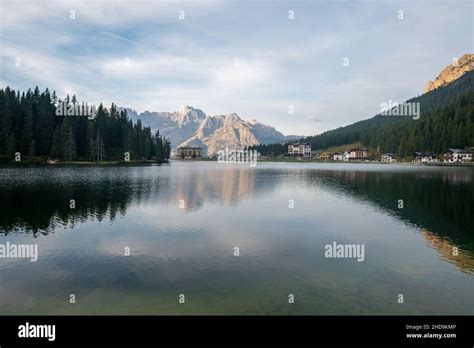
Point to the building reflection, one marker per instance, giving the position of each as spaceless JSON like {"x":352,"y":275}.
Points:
{"x":225,"y":187}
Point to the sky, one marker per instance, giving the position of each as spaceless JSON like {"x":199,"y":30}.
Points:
{"x":303,"y":67}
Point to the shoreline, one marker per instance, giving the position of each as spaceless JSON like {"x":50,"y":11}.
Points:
{"x":151,"y":163}
{"x":289,"y":160}
{"x":434,"y":164}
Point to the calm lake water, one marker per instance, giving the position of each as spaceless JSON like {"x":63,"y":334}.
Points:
{"x":182,"y":222}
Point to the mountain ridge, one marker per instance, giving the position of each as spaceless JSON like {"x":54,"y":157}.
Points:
{"x":447,"y":120}
{"x":192,"y":127}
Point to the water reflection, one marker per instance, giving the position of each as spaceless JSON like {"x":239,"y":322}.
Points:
{"x":37,"y":200}
{"x":226,"y":186}
{"x":42,"y":201}
{"x":440,"y":202}
{"x":41,"y":207}
{"x":450,"y":252}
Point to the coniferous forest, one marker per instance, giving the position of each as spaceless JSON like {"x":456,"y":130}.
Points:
{"x":446,"y":121}
{"x":29,"y":126}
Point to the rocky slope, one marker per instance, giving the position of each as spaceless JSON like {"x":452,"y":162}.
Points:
{"x":192,"y":127}
{"x":452,"y":72}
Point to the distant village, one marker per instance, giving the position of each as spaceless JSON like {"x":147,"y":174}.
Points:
{"x":361,"y":154}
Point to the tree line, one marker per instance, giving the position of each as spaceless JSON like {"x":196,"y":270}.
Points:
{"x":30,"y":126}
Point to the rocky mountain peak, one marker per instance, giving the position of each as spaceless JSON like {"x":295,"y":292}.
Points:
{"x":189,"y":114}
{"x":231,"y":118}
{"x":192,"y":127}
{"x":452,"y":72}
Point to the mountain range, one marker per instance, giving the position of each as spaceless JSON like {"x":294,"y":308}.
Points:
{"x":192,"y":127}
{"x":447,"y":120}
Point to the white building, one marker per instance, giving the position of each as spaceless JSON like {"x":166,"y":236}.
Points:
{"x":388,"y":157}
{"x":425,"y":157}
{"x":346,"y":155}
{"x":457,"y":156}
{"x":299,"y":149}
{"x":338,"y":156}
{"x":359,"y":153}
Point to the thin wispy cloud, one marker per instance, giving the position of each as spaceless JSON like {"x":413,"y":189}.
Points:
{"x":158,"y":55}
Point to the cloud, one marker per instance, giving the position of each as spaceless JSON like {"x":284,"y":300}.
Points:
{"x":315,"y":119}
{"x":140,"y":54}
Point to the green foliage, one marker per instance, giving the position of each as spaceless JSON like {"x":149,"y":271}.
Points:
{"x":29,"y":125}
{"x":447,"y":117}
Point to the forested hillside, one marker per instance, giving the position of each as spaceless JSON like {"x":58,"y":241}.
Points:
{"x":447,"y":117}
{"x":29,"y":125}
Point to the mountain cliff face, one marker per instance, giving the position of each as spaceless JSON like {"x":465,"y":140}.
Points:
{"x":192,"y":127}
{"x":452,"y":72}
{"x":221,"y":131}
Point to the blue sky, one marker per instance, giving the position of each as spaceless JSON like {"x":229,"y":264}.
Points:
{"x":141,"y":54}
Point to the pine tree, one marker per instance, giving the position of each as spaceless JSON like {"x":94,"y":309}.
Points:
{"x":166,"y":149}
{"x":69,"y":151}
{"x":32,"y":149}
{"x":28,"y":125}
{"x":5,"y":119}
{"x":159,"y":148}
{"x":11,"y":148}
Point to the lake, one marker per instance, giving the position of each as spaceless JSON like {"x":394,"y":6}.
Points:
{"x":235,"y":239}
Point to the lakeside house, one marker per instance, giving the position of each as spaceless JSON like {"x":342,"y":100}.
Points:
{"x":299,"y":150}
{"x":188,"y":152}
{"x":388,"y":157}
{"x":424,"y":157}
{"x":338,"y":156}
{"x":325,"y":156}
{"x":360,"y":153}
{"x":457,"y":156}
